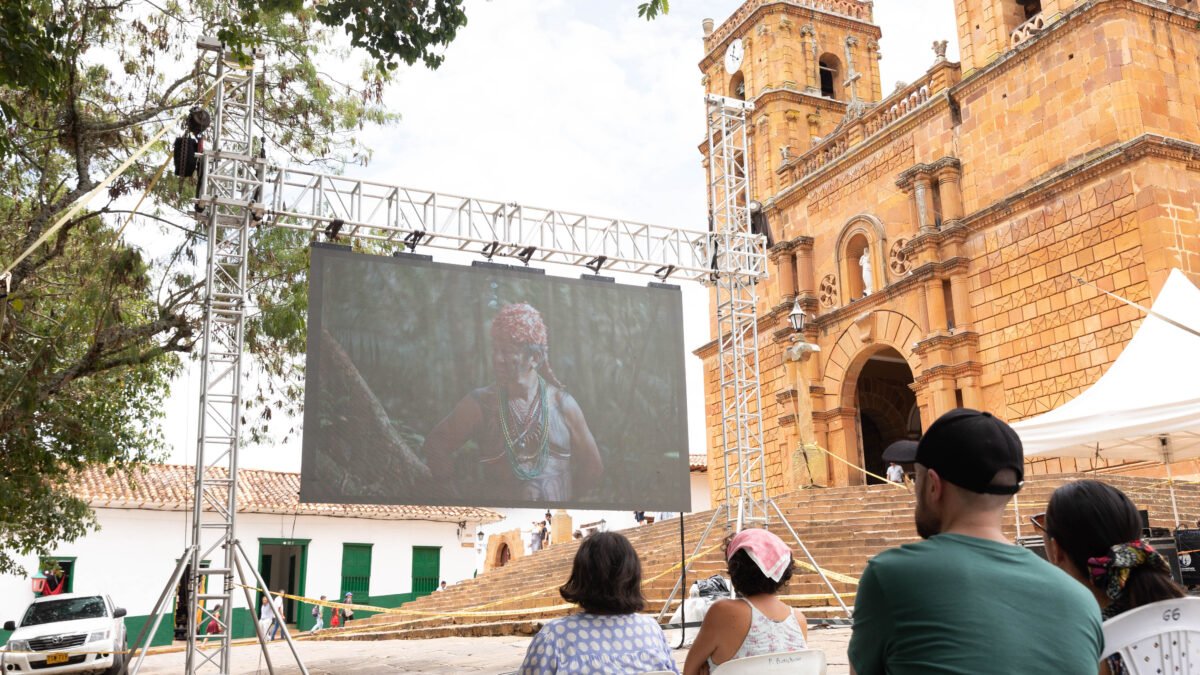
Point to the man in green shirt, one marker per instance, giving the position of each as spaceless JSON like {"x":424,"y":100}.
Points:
{"x":965,"y":600}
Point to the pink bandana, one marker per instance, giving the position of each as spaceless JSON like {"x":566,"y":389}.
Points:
{"x":766,"y":550}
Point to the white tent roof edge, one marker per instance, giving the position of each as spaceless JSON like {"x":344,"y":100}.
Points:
{"x":1147,"y":402}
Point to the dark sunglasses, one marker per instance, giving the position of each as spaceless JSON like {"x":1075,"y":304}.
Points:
{"x":1039,"y":521}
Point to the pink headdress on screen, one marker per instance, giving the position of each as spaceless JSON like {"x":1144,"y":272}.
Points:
{"x":521,"y":324}
{"x":768,"y":551}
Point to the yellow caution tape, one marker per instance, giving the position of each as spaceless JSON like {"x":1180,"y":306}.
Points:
{"x":814,"y":446}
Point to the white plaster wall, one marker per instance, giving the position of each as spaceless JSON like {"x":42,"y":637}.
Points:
{"x":133,"y":554}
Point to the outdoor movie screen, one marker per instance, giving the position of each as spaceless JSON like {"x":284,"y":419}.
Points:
{"x":438,"y":384}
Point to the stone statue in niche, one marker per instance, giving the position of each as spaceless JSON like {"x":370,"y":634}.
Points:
{"x":865,"y":263}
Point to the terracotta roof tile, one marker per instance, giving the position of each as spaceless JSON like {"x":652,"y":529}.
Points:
{"x":698,"y":462}
{"x":168,"y":487}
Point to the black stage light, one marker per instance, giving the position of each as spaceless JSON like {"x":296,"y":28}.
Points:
{"x":184,"y":156}
{"x":414,"y":239}
{"x":596,"y":263}
{"x":526,"y":253}
{"x":333,"y":229}
{"x":491,"y":249}
{"x":198,"y":120}
{"x":663,"y":272}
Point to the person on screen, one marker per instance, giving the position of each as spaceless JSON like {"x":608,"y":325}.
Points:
{"x":528,"y":429}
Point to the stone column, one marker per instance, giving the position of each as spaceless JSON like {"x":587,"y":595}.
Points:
{"x":942,"y":398}
{"x":936,"y":303}
{"x":950,"y":190}
{"x":806,"y":283}
{"x":843,"y":438}
{"x":813,"y":72}
{"x":971,"y":391}
{"x":923,"y":187}
{"x":785,"y":266}
{"x":962,"y":306}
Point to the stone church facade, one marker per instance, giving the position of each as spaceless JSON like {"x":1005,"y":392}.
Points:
{"x":1065,"y":145}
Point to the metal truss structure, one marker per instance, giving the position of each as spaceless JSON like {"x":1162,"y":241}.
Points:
{"x":240,"y":190}
{"x":737,"y":312}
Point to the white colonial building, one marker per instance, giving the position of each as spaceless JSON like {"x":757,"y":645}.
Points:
{"x":385,"y":554}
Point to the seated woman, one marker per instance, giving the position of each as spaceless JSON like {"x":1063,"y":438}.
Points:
{"x":757,"y":622}
{"x":608,"y":636}
{"x":1093,"y":532}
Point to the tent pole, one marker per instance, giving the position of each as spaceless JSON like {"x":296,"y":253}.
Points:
{"x":1170,"y":479}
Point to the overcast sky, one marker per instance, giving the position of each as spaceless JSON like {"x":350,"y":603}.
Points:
{"x":577,"y":105}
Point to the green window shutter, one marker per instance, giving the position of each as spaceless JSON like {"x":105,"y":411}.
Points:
{"x":356,"y":571}
{"x":426,"y":569}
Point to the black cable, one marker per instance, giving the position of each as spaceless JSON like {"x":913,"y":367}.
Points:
{"x":683,"y":588}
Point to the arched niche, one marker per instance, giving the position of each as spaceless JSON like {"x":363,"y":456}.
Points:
{"x":862,"y":232}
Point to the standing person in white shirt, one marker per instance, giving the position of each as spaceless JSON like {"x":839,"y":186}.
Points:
{"x":278,"y":618}
{"x":895,"y":473}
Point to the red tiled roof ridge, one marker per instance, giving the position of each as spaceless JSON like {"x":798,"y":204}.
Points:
{"x":168,"y":487}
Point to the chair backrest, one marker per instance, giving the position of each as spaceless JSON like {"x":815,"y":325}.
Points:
{"x":1161,"y":637}
{"x":800,"y":662}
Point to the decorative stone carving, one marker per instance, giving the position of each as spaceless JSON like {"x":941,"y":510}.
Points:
{"x":785,"y":153}
{"x":828,"y":292}
{"x":1027,"y":30}
{"x":898,"y":263}
{"x":939,"y":49}
{"x":785,"y":24}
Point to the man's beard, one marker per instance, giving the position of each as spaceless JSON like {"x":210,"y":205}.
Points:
{"x":927,"y":524}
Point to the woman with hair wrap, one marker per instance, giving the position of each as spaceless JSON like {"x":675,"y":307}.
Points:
{"x":1093,"y":532}
{"x":527,"y":427}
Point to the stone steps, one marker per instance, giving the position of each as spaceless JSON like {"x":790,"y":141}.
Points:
{"x":842,"y":528}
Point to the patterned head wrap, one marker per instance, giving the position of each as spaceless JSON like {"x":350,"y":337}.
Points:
{"x":519,"y":323}
{"x":1111,"y":572}
{"x":768,"y":551}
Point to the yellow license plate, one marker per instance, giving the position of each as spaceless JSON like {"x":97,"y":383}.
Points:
{"x":52,"y":659}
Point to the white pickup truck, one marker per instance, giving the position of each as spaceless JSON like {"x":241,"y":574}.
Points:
{"x":67,"y":633}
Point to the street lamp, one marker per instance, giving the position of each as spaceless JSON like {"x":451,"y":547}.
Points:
{"x":797,"y":317}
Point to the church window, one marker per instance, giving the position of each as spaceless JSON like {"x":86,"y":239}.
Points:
{"x":830,"y":69}
{"x":1031,"y":8}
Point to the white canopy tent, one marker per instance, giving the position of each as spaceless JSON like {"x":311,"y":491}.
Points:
{"x":1147,"y":405}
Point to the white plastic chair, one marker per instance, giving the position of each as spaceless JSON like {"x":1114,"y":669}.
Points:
{"x":1161,"y":637}
{"x":799,"y":662}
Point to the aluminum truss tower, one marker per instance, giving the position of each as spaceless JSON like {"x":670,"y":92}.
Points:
{"x":738,"y":264}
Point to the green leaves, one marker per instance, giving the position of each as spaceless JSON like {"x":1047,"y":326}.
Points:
{"x":650,"y":10}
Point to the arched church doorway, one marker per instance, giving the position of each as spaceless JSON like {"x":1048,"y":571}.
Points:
{"x":887,"y":408}
{"x":503,"y":555}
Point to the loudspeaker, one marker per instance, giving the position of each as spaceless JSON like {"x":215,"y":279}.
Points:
{"x":1188,"y":542}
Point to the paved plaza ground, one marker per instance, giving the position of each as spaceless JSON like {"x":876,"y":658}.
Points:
{"x":443,"y":655}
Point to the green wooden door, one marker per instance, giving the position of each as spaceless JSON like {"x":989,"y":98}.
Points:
{"x":426,"y":569}
{"x":356,"y":571}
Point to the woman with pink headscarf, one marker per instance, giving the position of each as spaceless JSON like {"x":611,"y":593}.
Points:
{"x":528,"y":429}
{"x":756,"y":622}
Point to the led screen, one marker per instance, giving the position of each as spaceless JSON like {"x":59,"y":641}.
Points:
{"x":437,"y":384}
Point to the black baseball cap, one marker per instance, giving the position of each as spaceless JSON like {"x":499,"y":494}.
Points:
{"x":968,"y":447}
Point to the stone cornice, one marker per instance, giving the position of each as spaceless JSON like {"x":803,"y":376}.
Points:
{"x":951,"y":231}
{"x":942,"y":372}
{"x":964,"y":338}
{"x":905,"y":179}
{"x":733,"y":27}
{"x":834,"y":413}
{"x":1146,"y":145}
{"x":1069,"y":21}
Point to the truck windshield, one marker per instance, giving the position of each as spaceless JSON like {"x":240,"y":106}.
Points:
{"x":68,"y":609}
